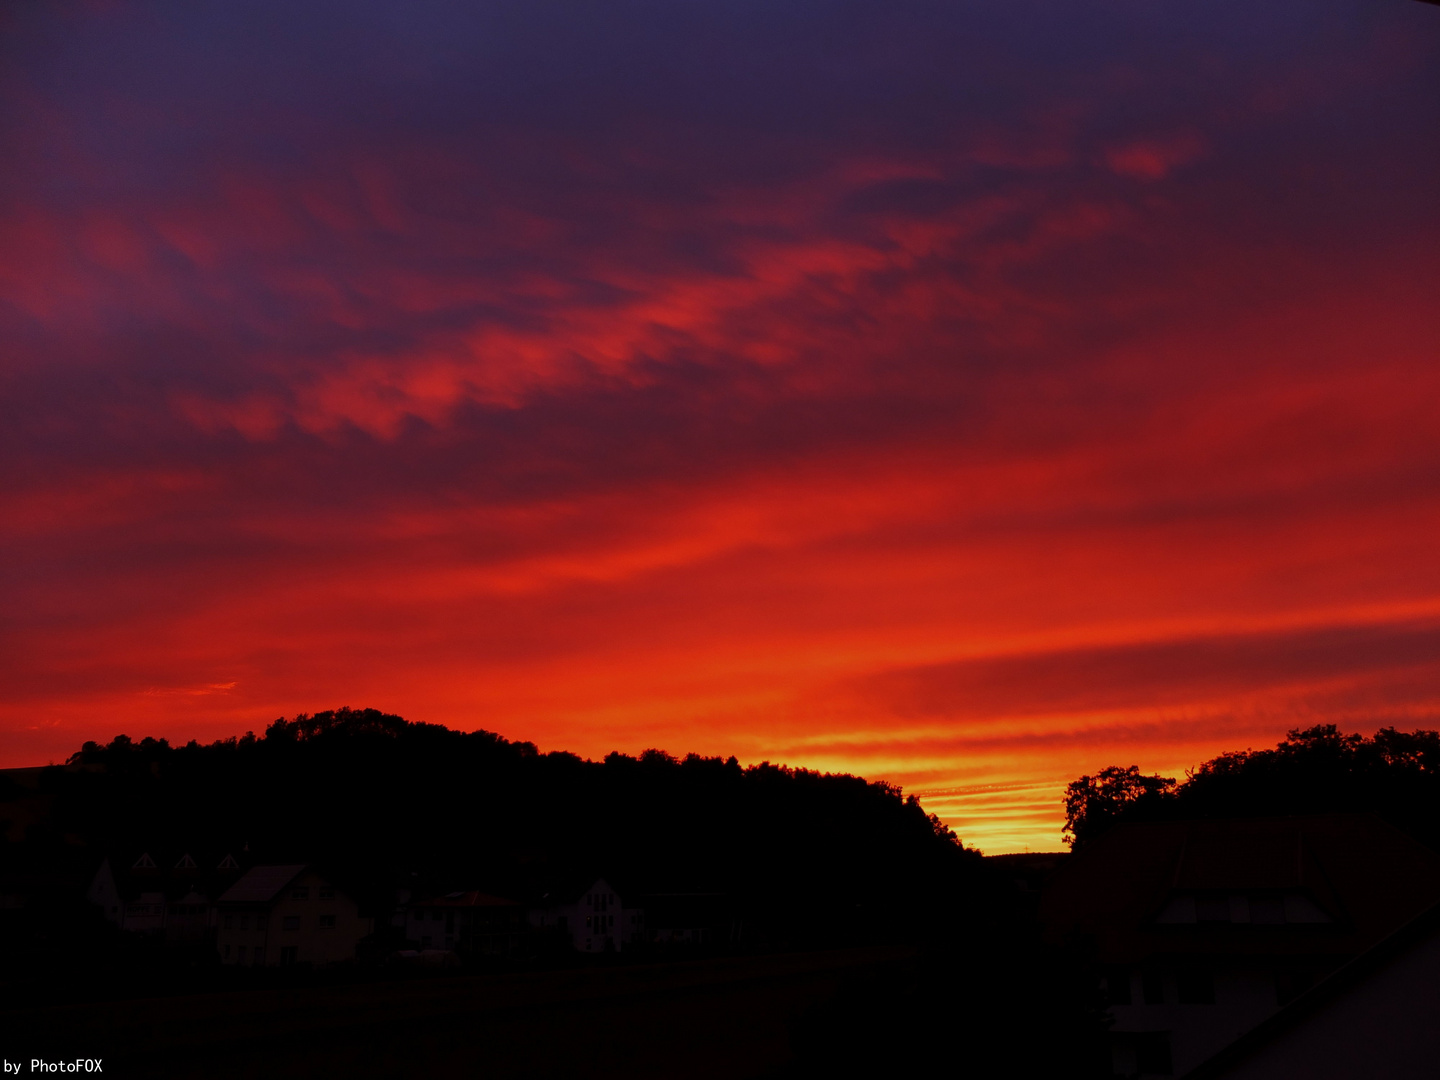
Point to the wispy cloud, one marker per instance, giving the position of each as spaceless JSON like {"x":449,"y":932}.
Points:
{"x":966,"y":395}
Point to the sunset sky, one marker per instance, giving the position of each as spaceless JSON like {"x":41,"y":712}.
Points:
{"x":968,"y":394}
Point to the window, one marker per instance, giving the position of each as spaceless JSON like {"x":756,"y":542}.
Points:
{"x":259,"y":956}
{"x":327,"y":922}
{"x":229,"y":921}
{"x":260,"y":922}
{"x":1195,"y":986}
{"x":326,"y":892}
{"x":225,"y":951}
{"x":300,"y":892}
{"x":242,"y":952}
{"x":244,"y":922}
{"x":290,"y":922}
{"x":288,"y":955}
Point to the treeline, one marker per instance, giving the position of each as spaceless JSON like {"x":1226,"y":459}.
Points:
{"x":390,"y":804}
{"x":1315,"y":770}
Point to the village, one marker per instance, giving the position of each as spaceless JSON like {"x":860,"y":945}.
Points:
{"x":279,"y":915}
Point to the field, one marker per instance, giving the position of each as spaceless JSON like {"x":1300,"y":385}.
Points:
{"x":729,"y":1017}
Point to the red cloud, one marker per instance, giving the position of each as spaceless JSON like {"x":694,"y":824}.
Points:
{"x":1155,"y":159}
{"x":864,"y":424}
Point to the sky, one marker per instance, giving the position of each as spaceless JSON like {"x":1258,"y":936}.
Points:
{"x":969,"y":395}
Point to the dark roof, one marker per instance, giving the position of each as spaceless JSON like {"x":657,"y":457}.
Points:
{"x":261,"y":884}
{"x":569,"y":888}
{"x":1366,"y":875}
{"x":173,"y":872}
{"x":1364,"y":967}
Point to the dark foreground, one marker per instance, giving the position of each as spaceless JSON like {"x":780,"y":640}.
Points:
{"x":727,"y":1017}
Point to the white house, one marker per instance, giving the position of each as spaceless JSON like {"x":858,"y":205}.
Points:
{"x":287,"y":914}
{"x":593,"y":920}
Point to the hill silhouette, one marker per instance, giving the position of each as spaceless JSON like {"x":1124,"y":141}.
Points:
{"x":390,"y":804}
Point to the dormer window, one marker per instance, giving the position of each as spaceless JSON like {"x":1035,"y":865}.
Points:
{"x":144,"y":862}
{"x":228,"y":863}
{"x":186,"y":863}
{"x":300,"y":892}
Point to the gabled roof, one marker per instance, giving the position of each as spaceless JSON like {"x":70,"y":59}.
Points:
{"x":261,"y":884}
{"x":1367,"y":876}
{"x":171,"y":872}
{"x":571,"y":887}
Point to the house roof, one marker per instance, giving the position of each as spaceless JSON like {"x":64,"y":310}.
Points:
{"x":571,"y":887}
{"x":1365,"y":875}
{"x":261,"y":884}
{"x":172,"y":872}
{"x":1311,"y":1006}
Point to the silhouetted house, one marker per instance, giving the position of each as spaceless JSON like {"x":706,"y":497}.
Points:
{"x":287,"y":915}
{"x":1206,"y":928}
{"x":1374,"y":1017}
{"x":470,"y":923}
{"x":163,"y":894}
{"x":591,"y":919}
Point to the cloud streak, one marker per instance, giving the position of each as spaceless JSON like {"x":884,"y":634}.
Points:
{"x":969,"y":398}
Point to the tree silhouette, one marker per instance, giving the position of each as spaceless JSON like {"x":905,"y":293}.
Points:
{"x":1313,"y":770}
{"x":1094,"y":803}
